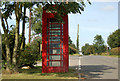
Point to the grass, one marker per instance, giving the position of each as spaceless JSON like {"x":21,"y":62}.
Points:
{"x":105,"y":54}
{"x":36,"y":73}
{"x":75,"y":55}
{"x":112,"y":55}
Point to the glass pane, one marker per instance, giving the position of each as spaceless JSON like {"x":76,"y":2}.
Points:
{"x":54,"y":39}
{"x":54,"y":45}
{"x":54,"y":51}
{"x":54,"y":63}
{"x":54,"y":57}
{"x":55,"y":26}
{"x":62,"y":63}
{"x":62,"y":57}
{"x":47,"y":63}
{"x":55,"y":33}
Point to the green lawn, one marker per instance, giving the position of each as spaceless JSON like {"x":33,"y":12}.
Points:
{"x":37,"y":74}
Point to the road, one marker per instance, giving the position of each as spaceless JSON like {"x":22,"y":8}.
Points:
{"x":96,"y":67}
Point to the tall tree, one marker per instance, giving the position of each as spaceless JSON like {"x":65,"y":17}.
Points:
{"x":18,"y":14}
{"x":99,"y":44}
{"x":8,"y":8}
{"x":30,"y":25}
{"x":36,"y":18}
{"x":85,"y":49}
{"x":72,"y":47}
{"x":6,"y":13}
{"x":23,"y":27}
{"x":77,"y":39}
{"x":113,"y":39}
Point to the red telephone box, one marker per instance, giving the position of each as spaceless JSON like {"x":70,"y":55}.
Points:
{"x":54,"y":43}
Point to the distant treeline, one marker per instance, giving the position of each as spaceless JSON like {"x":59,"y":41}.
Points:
{"x":98,"y":46}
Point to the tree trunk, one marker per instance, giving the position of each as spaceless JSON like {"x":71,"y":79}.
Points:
{"x":7,"y":53}
{"x":30,"y":26}
{"x":23,"y":31}
{"x":22,"y":46}
{"x":18,"y":12}
{"x":15,"y":51}
{"x":7,"y":43}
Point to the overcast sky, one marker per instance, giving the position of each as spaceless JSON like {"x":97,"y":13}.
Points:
{"x":99,"y":18}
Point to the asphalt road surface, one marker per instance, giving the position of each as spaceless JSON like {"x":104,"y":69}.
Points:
{"x":95,"y":67}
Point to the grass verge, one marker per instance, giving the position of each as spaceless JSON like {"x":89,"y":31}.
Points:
{"x":36,"y":73}
{"x":76,"y":55}
{"x":112,"y":55}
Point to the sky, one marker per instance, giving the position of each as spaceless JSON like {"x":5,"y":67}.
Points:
{"x":98,"y":18}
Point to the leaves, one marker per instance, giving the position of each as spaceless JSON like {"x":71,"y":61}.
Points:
{"x":37,"y":20}
{"x":99,"y":44}
{"x":113,"y":39}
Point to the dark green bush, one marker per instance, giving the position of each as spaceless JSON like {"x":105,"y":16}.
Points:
{"x":29,"y":56}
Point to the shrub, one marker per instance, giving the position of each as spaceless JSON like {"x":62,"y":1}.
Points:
{"x":29,"y":56}
{"x":115,"y":51}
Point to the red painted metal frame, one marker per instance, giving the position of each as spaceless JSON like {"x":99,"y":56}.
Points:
{"x":48,"y":69}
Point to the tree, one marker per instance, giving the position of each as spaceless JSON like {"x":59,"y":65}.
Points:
{"x":4,"y":16}
{"x":77,"y":39}
{"x":85,"y":49}
{"x":8,"y":8}
{"x":99,"y":44}
{"x":0,"y":47}
{"x":37,"y":20}
{"x":88,"y":49}
{"x":70,"y":41}
{"x":72,"y":47}
{"x":113,"y":39}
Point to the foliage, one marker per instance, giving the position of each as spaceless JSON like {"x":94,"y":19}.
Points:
{"x":36,"y":20}
{"x":113,"y":39}
{"x":62,"y":8}
{"x":18,"y":9}
{"x":97,"y":47}
{"x":11,"y":37}
{"x":72,"y":47}
{"x":115,"y":51}
{"x":88,"y":49}
{"x":29,"y":56}
{"x":98,"y":40}
{"x":99,"y":44}
{"x":69,"y":41}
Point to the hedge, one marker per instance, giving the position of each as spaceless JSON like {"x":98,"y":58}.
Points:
{"x":115,"y":51}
